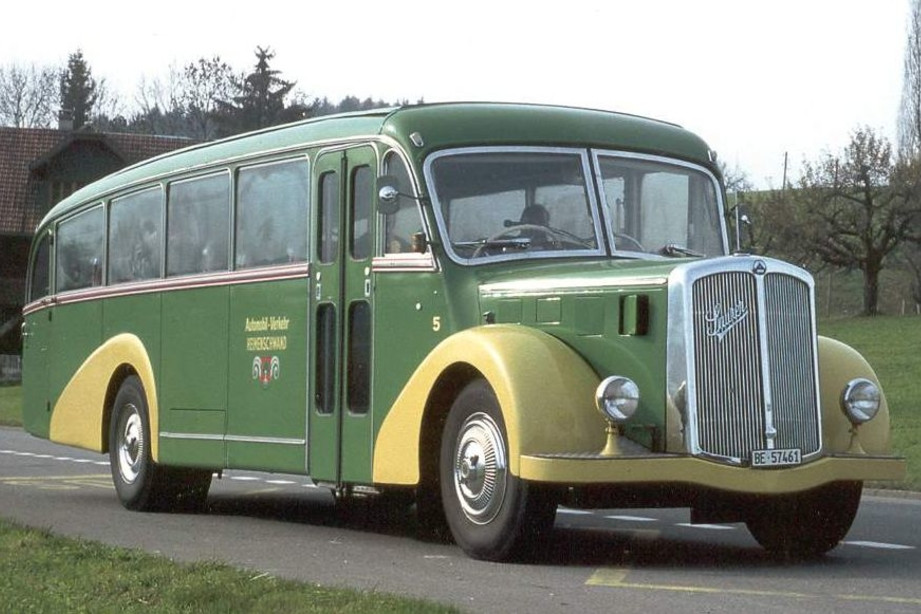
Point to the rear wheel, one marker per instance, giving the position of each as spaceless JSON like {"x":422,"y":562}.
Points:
{"x":492,"y":514}
{"x":141,"y":484}
{"x":808,"y":524}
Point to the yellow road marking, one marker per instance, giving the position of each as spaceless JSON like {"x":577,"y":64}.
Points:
{"x":608,"y":576}
{"x":614,"y":577}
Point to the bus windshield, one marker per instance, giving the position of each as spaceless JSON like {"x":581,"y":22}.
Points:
{"x":660,"y":206}
{"x":530,"y":203}
{"x":517,"y":202}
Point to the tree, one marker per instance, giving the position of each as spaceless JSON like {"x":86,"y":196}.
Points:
{"x":910,"y":112}
{"x":27,"y":96}
{"x":201,"y":86}
{"x":857,"y":208}
{"x":260,"y":101}
{"x":78,"y":90}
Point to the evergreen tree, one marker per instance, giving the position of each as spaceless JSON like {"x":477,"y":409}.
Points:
{"x":78,"y":90}
{"x":260,"y":101}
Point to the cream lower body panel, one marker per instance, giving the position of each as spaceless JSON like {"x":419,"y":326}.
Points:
{"x":576,"y":470}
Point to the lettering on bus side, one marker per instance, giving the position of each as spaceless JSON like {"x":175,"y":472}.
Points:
{"x":266,"y":367}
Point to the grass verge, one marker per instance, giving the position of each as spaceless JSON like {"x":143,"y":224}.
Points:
{"x":40,"y":572}
{"x":890,"y":345}
{"x":10,"y":405}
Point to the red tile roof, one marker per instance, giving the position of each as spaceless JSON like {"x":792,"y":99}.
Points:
{"x":22,"y":147}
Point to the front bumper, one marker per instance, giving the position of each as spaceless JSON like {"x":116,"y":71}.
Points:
{"x":595,"y":469}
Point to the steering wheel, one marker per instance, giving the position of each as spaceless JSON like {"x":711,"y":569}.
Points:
{"x":551,"y":236}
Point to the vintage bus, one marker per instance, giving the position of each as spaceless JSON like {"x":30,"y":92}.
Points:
{"x":495,"y":308}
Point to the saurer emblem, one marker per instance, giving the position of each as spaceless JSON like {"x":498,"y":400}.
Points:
{"x":721,"y":320}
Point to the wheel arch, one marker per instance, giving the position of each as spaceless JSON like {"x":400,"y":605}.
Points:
{"x":545,"y":391}
{"x":838,"y":364}
{"x":81,"y":415}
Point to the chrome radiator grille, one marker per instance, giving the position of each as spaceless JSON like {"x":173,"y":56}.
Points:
{"x":754,"y":378}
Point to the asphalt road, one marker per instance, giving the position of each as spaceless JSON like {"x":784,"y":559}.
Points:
{"x":608,"y":560}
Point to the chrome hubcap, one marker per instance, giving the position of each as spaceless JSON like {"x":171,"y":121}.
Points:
{"x":480,"y":468}
{"x":131,"y":445}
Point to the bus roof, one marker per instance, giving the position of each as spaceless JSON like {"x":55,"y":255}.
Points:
{"x":433,"y":126}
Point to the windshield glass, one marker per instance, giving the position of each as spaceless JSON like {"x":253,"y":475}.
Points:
{"x":515,"y":203}
{"x":659,"y":207}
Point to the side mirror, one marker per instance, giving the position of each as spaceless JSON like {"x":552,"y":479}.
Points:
{"x":743,"y":217}
{"x":388,"y":196}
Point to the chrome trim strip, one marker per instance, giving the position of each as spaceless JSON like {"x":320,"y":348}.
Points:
{"x":770,"y":432}
{"x":187,"y":282}
{"x":566,"y":286}
{"x":289,"y":441}
{"x":192,"y":436}
{"x":392,"y":263}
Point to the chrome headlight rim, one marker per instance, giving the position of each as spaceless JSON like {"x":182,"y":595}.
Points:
{"x":861,"y":400}
{"x":617,"y":398}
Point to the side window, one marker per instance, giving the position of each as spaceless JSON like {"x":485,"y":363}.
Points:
{"x":40,"y":283}
{"x":328,"y":231}
{"x":359,"y":358}
{"x":198,"y":225}
{"x":135,"y":236}
{"x":80,"y":242}
{"x":272,"y":214}
{"x":402,"y":225}
{"x":361,"y":207}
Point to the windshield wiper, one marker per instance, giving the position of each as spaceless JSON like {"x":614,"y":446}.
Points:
{"x":673,"y":250}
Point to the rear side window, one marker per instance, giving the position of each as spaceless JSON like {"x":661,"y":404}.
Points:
{"x":272,"y":214}
{"x":198,"y":223}
{"x":80,"y":242}
{"x":135,"y":236}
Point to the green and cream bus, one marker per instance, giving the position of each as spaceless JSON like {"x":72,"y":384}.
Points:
{"x":495,"y":308}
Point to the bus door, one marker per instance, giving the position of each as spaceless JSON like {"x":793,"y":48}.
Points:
{"x":36,"y":343}
{"x":340,"y":418}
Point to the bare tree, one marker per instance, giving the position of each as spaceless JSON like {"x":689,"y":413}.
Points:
{"x":27,"y":96}
{"x":856,"y":208}
{"x":159,"y":108}
{"x":201,"y":86}
{"x":910,"y":113}
{"x":185,"y":101}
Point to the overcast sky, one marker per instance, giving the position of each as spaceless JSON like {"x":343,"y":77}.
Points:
{"x":755,"y":78}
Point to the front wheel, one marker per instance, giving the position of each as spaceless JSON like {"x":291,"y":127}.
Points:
{"x":808,"y":524}
{"x":141,"y":484}
{"x":493,"y":515}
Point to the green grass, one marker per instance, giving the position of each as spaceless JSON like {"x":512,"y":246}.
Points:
{"x":11,"y":405}
{"x":40,"y":572}
{"x":890,"y":344}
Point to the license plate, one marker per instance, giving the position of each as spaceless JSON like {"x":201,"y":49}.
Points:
{"x":777,"y":458}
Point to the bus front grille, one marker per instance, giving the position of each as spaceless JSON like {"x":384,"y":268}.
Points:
{"x":753,"y":357}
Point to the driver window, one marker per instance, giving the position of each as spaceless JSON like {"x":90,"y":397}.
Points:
{"x":399,"y":227}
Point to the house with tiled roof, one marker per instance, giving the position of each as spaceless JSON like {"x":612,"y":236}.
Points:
{"x":38,"y":168}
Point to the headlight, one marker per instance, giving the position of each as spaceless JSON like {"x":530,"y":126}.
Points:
{"x":860,"y":400}
{"x":617,"y":398}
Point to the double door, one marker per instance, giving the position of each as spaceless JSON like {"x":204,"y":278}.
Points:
{"x":340,"y":417}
